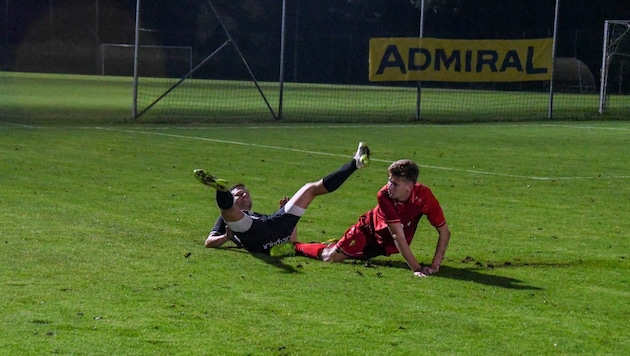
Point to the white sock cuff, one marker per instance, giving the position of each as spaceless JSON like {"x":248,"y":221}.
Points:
{"x":293,"y":209}
{"x":242,"y":225}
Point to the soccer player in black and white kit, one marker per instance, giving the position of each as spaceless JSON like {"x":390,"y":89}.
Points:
{"x":260,"y":232}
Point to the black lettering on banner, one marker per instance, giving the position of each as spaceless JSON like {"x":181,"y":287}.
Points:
{"x":487,"y":57}
{"x":396,"y":60}
{"x":441,"y":57}
{"x":414,"y":61}
{"x":469,"y":61}
{"x":511,"y":60}
{"x":530,"y":63}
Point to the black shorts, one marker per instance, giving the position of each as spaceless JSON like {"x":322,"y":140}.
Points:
{"x":268,"y":231}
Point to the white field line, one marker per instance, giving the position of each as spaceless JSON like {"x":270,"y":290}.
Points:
{"x":469,"y":171}
{"x":301,"y":127}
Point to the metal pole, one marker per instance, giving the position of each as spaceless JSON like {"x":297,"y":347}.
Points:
{"x":553,"y":59}
{"x":134,"y":108}
{"x":281,"y":78}
{"x":421,"y":35}
{"x":603,"y":80}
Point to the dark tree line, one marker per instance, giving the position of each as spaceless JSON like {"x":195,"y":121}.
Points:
{"x":30,"y":20}
{"x":333,"y":25}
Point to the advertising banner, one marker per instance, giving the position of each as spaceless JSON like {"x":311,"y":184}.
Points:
{"x":432,"y":59}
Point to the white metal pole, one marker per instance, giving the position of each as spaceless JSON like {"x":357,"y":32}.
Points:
{"x":553,"y":59}
{"x":603,"y":80}
{"x":421,"y":35}
{"x":281,"y":78}
{"x":134,"y":108}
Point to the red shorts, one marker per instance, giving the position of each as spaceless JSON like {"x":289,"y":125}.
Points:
{"x":357,"y":244}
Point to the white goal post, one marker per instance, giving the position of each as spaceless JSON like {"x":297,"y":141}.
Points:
{"x":117,"y":59}
{"x":616,"y":49}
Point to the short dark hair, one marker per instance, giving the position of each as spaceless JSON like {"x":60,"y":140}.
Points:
{"x":406,"y":169}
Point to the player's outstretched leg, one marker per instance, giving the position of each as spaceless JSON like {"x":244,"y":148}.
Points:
{"x":303,"y":197}
{"x":210,"y":180}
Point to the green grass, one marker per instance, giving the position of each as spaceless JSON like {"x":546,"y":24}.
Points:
{"x":101,"y":248}
{"x":29,"y":98}
{"x":49,"y":98}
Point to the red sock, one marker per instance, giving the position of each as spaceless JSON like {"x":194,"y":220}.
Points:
{"x":309,"y":250}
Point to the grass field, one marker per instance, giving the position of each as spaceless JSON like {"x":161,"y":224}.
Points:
{"x":30,"y":98}
{"x":102,"y":231}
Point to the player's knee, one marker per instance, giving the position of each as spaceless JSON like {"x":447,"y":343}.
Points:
{"x":318,"y":188}
{"x":315,"y":188}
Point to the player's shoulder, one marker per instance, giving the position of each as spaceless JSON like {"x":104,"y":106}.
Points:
{"x":382,"y":192}
{"x":422,"y":192}
{"x":419,"y":187}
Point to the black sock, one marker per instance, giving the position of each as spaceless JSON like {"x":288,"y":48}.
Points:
{"x":336,"y":178}
{"x":225,"y":200}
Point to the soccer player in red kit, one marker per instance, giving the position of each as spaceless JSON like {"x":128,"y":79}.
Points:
{"x":389,"y":227}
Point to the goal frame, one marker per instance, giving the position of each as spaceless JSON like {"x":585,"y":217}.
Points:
{"x":229,"y":40}
{"x":606,"y":59}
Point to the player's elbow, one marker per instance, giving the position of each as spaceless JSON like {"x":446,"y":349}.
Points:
{"x":213,"y":242}
{"x":444,"y":232}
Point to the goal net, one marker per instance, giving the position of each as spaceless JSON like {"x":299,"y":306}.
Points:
{"x":218,"y":83}
{"x":615,"y":72}
{"x":311,"y":72}
{"x":155,"y":61}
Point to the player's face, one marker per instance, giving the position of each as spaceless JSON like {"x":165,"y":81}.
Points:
{"x":242,"y":199}
{"x":399,"y":189}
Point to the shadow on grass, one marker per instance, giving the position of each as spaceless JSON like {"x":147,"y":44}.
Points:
{"x":464,"y":274}
{"x":274,"y":261}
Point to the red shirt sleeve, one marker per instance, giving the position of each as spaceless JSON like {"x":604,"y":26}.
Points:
{"x":432,"y":208}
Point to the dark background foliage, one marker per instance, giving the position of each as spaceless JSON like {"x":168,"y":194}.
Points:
{"x":64,"y":35}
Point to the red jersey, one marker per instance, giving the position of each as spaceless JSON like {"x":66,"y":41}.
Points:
{"x":421,"y":202}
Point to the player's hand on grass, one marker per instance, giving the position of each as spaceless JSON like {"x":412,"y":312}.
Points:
{"x":425,"y":271}
{"x":284,"y":201}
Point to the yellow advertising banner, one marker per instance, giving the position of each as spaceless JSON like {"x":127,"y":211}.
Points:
{"x":433,"y":59}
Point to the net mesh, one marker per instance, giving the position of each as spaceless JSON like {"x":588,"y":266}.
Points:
{"x":617,"y":68}
{"x":325,"y":75}
{"x":614,"y":98}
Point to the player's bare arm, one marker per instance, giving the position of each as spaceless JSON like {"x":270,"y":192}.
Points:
{"x":216,"y":239}
{"x":403,"y":247}
{"x":444,"y":235}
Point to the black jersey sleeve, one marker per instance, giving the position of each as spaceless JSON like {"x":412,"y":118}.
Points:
{"x":219,"y":226}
